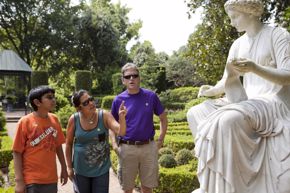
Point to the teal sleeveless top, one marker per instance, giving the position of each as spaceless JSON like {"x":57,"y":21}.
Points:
{"x":91,"y":157}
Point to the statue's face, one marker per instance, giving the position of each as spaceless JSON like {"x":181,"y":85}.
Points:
{"x":239,"y":20}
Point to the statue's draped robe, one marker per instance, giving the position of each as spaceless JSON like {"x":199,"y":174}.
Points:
{"x":244,"y":147}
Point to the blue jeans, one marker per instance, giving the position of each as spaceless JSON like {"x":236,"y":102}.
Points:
{"x":99,"y":184}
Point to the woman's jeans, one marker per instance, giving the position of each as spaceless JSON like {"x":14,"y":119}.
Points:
{"x":99,"y":184}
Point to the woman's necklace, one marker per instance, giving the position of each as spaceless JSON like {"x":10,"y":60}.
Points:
{"x":91,"y":120}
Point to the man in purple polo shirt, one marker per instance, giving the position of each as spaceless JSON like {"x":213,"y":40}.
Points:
{"x":137,"y":151}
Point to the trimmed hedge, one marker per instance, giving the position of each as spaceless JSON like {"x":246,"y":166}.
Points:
{"x":7,"y":190}
{"x":5,"y":151}
{"x":165,"y":150}
{"x":177,"y":98}
{"x":39,"y":78}
{"x":183,"y":156}
{"x":5,"y":158}
{"x":64,"y":114}
{"x":118,"y":86}
{"x":83,"y":80}
{"x":194,"y":102}
{"x":107,"y":102}
{"x":180,"y":179}
{"x":167,"y":161}
{"x":2,"y":120}
{"x":179,"y":132}
{"x":178,"y":142}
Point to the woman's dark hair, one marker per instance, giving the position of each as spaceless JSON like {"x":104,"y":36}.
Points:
{"x":37,"y":93}
{"x":75,"y":99}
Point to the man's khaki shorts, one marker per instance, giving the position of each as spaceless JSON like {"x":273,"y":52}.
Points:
{"x":138,"y":159}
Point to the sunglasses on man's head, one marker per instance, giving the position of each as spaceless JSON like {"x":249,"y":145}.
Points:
{"x":131,"y":76}
{"x":86,"y":102}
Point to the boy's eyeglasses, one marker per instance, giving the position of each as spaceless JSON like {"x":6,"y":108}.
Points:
{"x":131,"y":76}
{"x":86,"y":102}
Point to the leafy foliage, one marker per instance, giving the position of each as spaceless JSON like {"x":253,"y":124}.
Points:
{"x":2,"y":120}
{"x":180,"y":179}
{"x":180,"y":71}
{"x":39,"y":78}
{"x":153,"y":72}
{"x":55,"y":36}
{"x":107,"y":102}
{"x":183,"y":156}
{"x":83,"y":80}
{"x":118,"y":87}
{"x":167,"y":161}
{"x":64,"y":113}
{"x":165,"y":150}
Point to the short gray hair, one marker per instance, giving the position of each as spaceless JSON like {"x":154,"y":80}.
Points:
{"x":129,"y":66}
{"x":254,"y":7}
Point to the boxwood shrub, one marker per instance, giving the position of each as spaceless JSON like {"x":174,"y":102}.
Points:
{"x":107,"y":102}
{"x":180,"y":179}
{"x":183,"y":156}
{"x":167,"y":161}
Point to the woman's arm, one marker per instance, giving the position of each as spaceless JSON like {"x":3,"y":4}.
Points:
{"x":118,"y":128}
{"x":69,"y":145}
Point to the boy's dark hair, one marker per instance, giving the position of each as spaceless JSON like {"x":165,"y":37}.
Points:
{"x":75,"y":99}
{"x":37,"y":93}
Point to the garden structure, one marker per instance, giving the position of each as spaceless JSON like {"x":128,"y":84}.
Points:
{"x":14,"y":80}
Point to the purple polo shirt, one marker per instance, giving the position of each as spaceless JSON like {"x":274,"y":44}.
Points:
{"x":140,"y":109}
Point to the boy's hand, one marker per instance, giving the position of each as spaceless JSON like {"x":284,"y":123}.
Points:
{"x":20,"y":186}
{"x":71,"y":173}
{"x":63,"y":177}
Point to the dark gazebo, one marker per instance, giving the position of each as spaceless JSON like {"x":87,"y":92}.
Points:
{"x":14,"y":79}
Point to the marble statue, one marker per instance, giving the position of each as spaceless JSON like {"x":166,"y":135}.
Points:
{"x":242,"y":141}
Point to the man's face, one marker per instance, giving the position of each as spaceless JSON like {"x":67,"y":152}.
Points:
{"x":131,"y":80}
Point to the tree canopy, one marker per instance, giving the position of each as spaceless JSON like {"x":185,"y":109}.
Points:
{"x":55,"y":36}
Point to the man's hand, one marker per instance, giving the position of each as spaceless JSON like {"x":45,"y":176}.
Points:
{"x":159,"y":143}
{"x":122,"y":109}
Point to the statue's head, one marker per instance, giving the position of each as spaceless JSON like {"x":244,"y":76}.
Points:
{"x":254,"y":7}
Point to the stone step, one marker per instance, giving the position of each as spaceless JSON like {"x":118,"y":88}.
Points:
{"x":12,"y":119}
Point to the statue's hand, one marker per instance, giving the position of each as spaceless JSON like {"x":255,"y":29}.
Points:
{"x":205,"y":90}
{"x":231,"y":71}
{"x":243,"y":65}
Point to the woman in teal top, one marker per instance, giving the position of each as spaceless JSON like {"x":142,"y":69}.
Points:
{"x":87,"y":146}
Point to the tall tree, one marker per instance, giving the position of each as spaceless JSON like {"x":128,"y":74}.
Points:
{"x":55,"y":36}
{"x":34,"y":28}
{"x":152,"y":65}
{"x":102,"y":33}
{"x":179,"y":69}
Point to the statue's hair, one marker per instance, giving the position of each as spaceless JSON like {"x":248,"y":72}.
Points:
{"x":254,"y":7}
